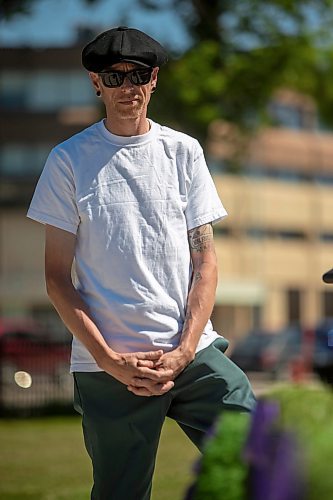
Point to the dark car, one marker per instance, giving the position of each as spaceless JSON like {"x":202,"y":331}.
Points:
{"x":323,"y":351}
{"x":247,"y":353}
{"x":33,"y":366}
{"x":271,"y":352}
{"x":285,"y":348}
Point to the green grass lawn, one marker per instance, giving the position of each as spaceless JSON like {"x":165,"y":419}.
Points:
{"x":45,"y":459}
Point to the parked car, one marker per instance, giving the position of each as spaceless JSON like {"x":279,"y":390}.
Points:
{"x":33,"y":367}
{"x":285,"y":347}
{"x":247,"y":353}
{"x":269,"y":352}
{"x":323,"y":351}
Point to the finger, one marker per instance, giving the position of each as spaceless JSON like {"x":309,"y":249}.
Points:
{"x":162,"y":359}
{"x":162,"y":375}
{"x":158,"y":364}
{"x":139,"y":391}
{"x":159,"y":389}
{"x":151,"y":385}
{"x":142,"y":382}
{"x":155,"y":390}
{"x":151,"y":355}
{"x":148,"y":384}
{"x":163,"y":388}
{"x":146,"y":362}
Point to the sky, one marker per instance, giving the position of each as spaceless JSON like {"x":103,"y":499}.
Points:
{"x":54,"y":23}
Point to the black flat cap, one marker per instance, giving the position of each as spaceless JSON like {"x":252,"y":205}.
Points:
{"x":122,"y":44}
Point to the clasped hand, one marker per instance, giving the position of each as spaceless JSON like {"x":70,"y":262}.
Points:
{"x":148,"y":373}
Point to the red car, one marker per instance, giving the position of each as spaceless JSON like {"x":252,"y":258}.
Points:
{"x":34,"y":367}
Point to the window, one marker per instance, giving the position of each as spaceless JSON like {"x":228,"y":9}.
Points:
{"x":221,"y":231}
{"x":327,"y":302}
{"x":282,"y":234}
{"x":19,"y":160}
{"x":295,"y":116}
{"x":12,"y":91}
{"x":294,"y":306}
{"x":45,"y":90}
{"x":326,"y":237}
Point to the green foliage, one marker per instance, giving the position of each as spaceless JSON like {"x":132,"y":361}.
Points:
{"x":306,"y":413}
{"x":9,"y":8}
{"x":223,"y":473}
{"x":241,"y":52}
{"x":205,"y":85}
{"x":189,"y":91}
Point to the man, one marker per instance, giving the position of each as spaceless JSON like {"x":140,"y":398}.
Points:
{"x":131,"y":203}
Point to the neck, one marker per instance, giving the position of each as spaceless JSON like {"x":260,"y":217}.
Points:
{"x":128,"y":128}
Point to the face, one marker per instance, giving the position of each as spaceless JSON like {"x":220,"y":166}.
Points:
{"x":129,"y":101}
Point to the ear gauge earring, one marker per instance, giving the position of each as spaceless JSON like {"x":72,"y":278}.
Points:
{"x":98,"y":93}
{"x":153,"y":90}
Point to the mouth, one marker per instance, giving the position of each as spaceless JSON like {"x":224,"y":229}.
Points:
{"x":129,"y":101}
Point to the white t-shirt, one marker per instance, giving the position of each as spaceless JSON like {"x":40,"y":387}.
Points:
{"x":131,"y":202}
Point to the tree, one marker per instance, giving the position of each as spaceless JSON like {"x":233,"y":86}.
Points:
{"x":9,"y":8}
{"x":241,"y":52}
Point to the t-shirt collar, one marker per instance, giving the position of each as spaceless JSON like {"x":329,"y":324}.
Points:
{"x":120,"y":140}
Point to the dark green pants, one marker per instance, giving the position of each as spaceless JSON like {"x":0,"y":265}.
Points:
{"x":122,"y":430}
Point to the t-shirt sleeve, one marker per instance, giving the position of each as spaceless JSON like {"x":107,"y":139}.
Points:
{"x":54,"y":200}
{"x":203,"y":205}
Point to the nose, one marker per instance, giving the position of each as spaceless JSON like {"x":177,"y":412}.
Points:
{"x":127,"y":83}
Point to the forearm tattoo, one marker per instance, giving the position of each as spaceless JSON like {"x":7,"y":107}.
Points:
{"x":197,"y":277}
{"x":201,"y":238}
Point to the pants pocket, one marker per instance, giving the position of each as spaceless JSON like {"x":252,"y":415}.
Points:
{"x":221,"y":344}
{"x":77,"y":403}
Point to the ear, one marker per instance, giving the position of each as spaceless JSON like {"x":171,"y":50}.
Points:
{"x":95,"y":81}
{"x":153,"y":81}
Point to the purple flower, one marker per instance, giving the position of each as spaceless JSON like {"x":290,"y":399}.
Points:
{"x":264,"y":419}
{"x":272,"y":456}
{"x":286,"y":478}
{"x":190,"y":492}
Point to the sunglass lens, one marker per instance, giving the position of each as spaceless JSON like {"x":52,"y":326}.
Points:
{"x":140,"y":76}
{"x":113,"y":79}
{"x":136,"y":76}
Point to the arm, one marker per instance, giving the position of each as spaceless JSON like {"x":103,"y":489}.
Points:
{"x":59,"y":255}
{"x":200,"y":301}
{"x":201,"y":297}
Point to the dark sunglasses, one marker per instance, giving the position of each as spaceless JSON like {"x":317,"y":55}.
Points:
{"x":115,"y":78}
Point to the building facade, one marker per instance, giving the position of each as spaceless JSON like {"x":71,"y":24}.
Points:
{"x":278,"y":240}
{"x":45,"y":97}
